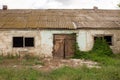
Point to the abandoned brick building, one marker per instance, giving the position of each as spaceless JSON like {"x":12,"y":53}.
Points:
{"x":49,"y":32}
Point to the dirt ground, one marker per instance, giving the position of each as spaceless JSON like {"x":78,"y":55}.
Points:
{"x":48,"y":64}
{"x":51,"y":64}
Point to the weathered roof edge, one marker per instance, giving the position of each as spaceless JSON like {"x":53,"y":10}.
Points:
{"x":59,"y":9}
{"x":59,"y":29}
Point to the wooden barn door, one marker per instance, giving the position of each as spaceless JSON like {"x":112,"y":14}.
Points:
{"x":63,"y":45}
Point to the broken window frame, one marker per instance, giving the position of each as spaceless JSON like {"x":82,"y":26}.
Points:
{"x":103,"y":36}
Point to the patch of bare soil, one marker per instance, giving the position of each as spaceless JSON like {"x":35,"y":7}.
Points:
{"x":51,"y":64}
{"x":48,"y":64}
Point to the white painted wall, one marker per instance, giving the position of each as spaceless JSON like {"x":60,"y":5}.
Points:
{"x":81,"y":40}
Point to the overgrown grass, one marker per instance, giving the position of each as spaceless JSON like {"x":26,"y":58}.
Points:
{"x":110,"y":70}
{"x":65,"y":73}
{"x":18,"y":74}
{"x":27,"y":60}
{"x":85,"y":73}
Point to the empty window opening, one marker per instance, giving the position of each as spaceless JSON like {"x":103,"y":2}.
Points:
{"x":98,"y":37}
{"x":23,"y":42}
{"x":29,"y":42}
{"x":17,"y":41}
{"x":107,"y":38}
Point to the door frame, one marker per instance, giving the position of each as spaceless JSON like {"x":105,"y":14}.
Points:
{"x":64,"y":42}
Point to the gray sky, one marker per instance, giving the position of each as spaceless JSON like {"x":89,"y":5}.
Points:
{"x":59,"y":4}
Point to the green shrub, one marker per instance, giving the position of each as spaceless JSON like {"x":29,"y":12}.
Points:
{"x":100,"y":51}
{"x":80,"y":54}
{"x":101,"y":48}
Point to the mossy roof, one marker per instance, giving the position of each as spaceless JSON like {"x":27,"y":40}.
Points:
{"x":59,"y":19}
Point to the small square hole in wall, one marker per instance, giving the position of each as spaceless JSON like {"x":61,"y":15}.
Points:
{"x":108,"y":39}
{"x":17,"y":41}
{"x":29,"y":42}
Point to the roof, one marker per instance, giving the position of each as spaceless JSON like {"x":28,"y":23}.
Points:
{"x":59,"y":19}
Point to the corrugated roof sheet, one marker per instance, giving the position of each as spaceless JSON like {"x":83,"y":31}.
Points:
{"x":59,"y":19}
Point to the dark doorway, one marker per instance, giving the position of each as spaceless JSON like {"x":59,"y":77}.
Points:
{"x":64,"y":45}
